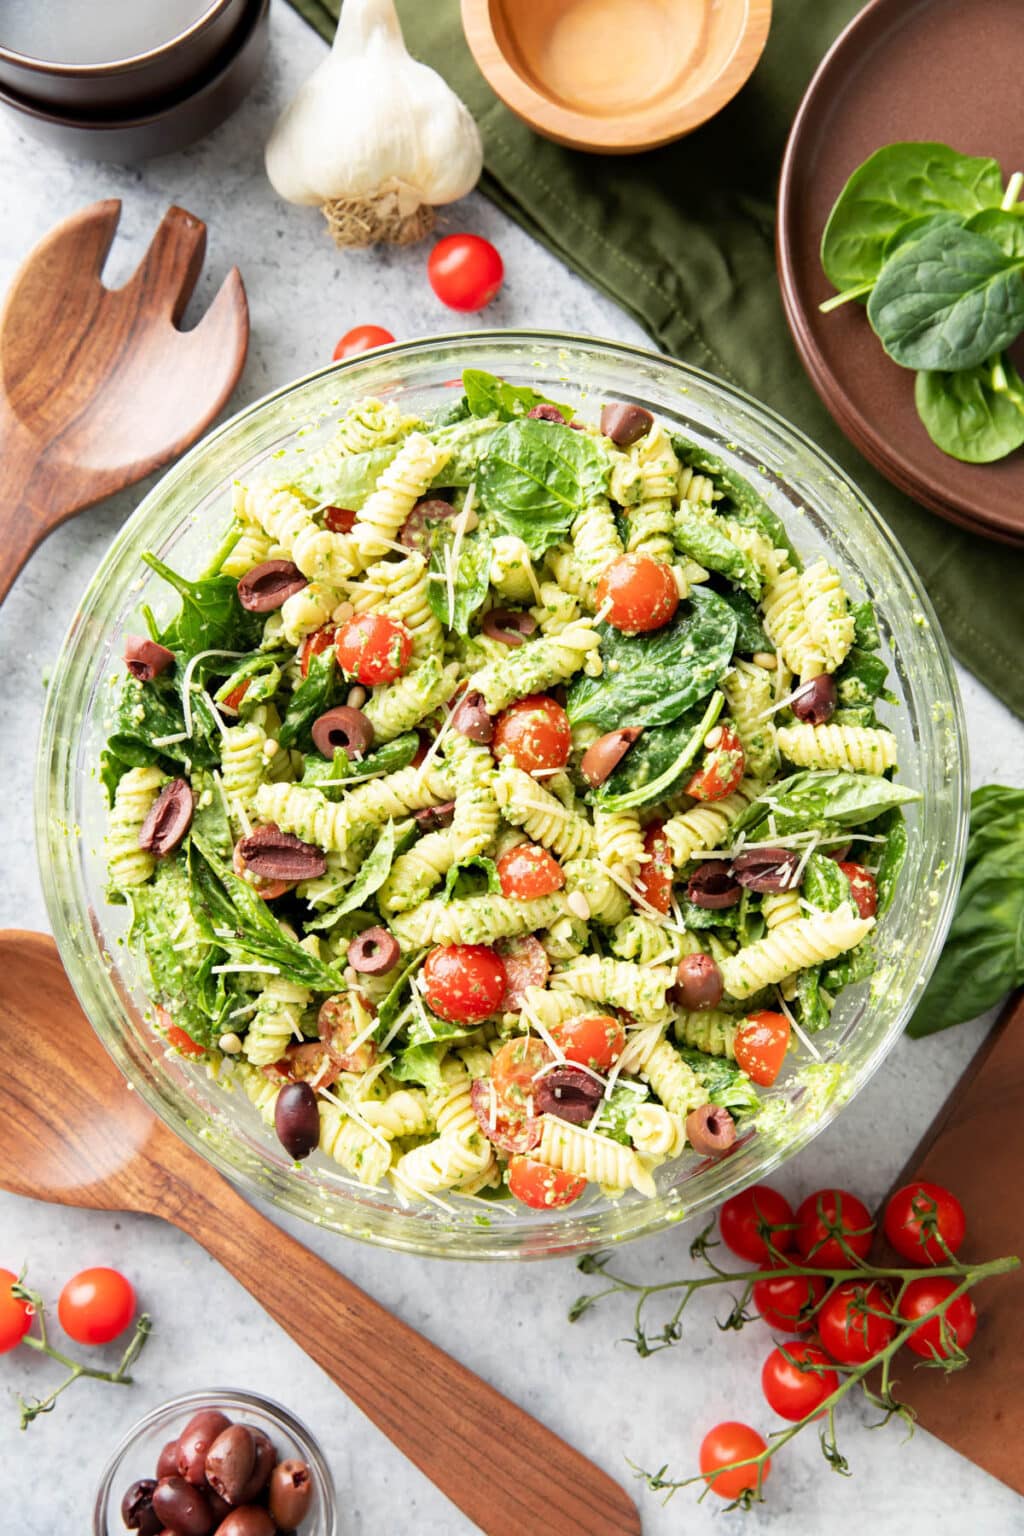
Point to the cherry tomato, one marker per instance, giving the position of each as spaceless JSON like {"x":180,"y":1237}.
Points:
{"x":267,"y":890}
{"x":793,"y":1391}
{"x":929,"y":1340}
{"x":541,"y":1186}
{"x":233,"y":700}
{"x":596,"y":1041}
{"x":176,"y":1036}
{"x":514,"y":1068}
{"x":465,"y":271}
{"x":337,"y":1027}
{"x":96,"y":1305}
{"x":339,"y":519}
{"x":642,"y":591}
{"x":654,"y":882}
{"x":862,"y":888}
{"x":788,"y":1302}
{"x":373,"y":648}
{"x":725,"y":1444}
{"x":527,"y":871}
{"x":855,"y":1321}
{"x":15,"y":1314}
{"x":761,"y":1045}
{"x":744,"y":1219}
{"x":722,"y":769}
{"x":925,"y":1223}
{"x":464,"y":983}
{"x":825,"y":1209}
{"x":315,"y":644}
{"x":535,"y":733}
{"x":360,"y":339}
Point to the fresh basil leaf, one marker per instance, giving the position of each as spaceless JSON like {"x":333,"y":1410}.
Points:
{"x":814,"y":1013}
{"x":331,"y":777}
{"x":471,"y":877}
{"x":726,"y":1083}
{"x":697,"y":535}
{"x":261,"y":670}
{"x":373,"y":871}
{"x":209,"y":816}
{"x":393,"y":1003}
{"x":816,"y":797}
{"x":861,"y":679}
{"x":824,"y":884}
{"x":315,"y":694}
{"x":618,"y":1108}
{"x":745,"y":504}
{"x":894,"y":851}
{"x":975,"y":415}
{"x":750,"y":635}
{"x":536,"y":477}
{"x":471,"y":577}
{"x":651,"y":679}
{"x":487,"y":395}
{"x":656,"y":764}
{"x":420,"y":1064}
{"x":703,"y":918}
{"x":210,"y":618}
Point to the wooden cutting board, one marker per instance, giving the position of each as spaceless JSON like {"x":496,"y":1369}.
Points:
{"x":975,"y":1147}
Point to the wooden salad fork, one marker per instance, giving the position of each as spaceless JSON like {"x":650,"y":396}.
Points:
{"x":98,"y":387}
{"x":100,"y":1147}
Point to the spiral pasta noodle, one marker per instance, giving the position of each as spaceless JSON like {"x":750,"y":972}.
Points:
{"x":543,"y":818}
{"x":606,"y":901}
{"x":748,"y":693}
{"x":641,"y":990}
{"x":242,"y":766}
{"x":656,"y":1133}
{"x":596,"y":539}
{"x":781,"y":907}
{"x":595,"y":1158}
{"x":394,"y":708}
{"x":275,"y":1024}
{"x":859,"y":748}
{"x":828,"y":613}
{"x":539,"y":665}
{"x":475,"y":919}
{"x":366,"y":1156}
{"x":308,"y":814}
{"x":399,"y":589}
{"x":793,"y":947}
{"x":134,"y":797}
{"x":620,"y":843}
{"x":785,"y":622}
{"x":709,"y":1031}
{"x":703,"y":827}
{"x":640,"y":938}
{"x":399,"y":488}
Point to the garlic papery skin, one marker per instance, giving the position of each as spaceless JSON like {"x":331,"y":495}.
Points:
{"x":373,"y":137}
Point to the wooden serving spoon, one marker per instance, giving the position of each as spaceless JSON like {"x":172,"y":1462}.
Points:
{"x":99,"y":387}
{"x":100,"y":1147}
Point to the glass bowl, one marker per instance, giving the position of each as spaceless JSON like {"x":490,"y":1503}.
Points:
{"x":183,"y":518}
{"x":136,"y":1456}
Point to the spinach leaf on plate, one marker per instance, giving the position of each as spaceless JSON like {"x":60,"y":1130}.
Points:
{"x":1002,"y":226}
{"x":816,"y":797}
{"x":657,"y":763}
{"x":536,"y":477}
{"x":471,"y":576}
{"x":210,"y":618}
{"x":976,"y":414}
{"x":487,"y":395}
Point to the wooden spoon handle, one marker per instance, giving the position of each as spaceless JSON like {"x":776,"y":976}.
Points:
{"x":24,"y":523}
{"x":503,"y":1469}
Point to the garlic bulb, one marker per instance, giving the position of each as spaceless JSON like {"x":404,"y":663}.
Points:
{"x":373,"y":137}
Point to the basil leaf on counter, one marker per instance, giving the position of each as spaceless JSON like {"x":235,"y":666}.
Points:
{"x":744,"y":504}
{"x":471,"y":576}
{"x":211,"y":617}
{"x":487,"y":395}
{"x":536,"y":477}
{"x":816,"y":796}
{"x":658,"y":761}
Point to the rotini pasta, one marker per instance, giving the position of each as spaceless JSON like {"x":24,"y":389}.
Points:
{"x":590,"y":1156}
{"x":793,"y":947}
{"x":858,"y":748}
{"x":127,"y":863}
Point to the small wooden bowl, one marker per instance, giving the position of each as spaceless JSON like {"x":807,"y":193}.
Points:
{"x":616,"y":76}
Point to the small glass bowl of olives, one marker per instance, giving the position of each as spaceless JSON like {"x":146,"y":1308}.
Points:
{"x":221,"y":1463}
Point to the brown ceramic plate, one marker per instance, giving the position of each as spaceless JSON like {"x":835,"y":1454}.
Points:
{"x":947,"y":70}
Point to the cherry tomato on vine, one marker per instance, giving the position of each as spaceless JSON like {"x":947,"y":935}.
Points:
{"x":315,"y":644}
{"x":360,"y":339}
{"x":541,"y":1186}
{"x":793,"y":1390}
{"x":924,"y":1223}
{"x":465,"y":271}
{"x":96,"y":1306}
{"x":863,"y":888}
{"x":855,"y":1322}
{"x":787,"y":1302}
{"x":534,"y":733}
{"x":15,"y":1314}
{"x":642,"y":593}
{"x":654,"y":882}
{"x":743,"y":1219}
{"x":727,"y":1443}
{"x":528,"y":871}
{"x":722,"y":769}
{"x":339,"y":519}
{"x":373,"y":648}
{"x":761,"y":1044}
{"x":596,"y":1041}
{"x":829,"y":1209}
{"x":961,"y":1317}
{"x":464,"y":983}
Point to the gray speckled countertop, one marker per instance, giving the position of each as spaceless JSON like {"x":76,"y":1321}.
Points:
{"x":507,"y":1323}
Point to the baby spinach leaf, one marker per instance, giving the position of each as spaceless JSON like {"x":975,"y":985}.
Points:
{"x":814,"y":1013}
{"x":824,"y":884}
{"x":470,"y":878}
{"x":536,"y":477}
{"x":210,"y":618}
{"x":726,"y":1083}
{"x":893,"y":827}
{"x":261,"y":671}
{"x":349,"y":482}
{"x":856,"y":965}
{"x":746,"y":505}
{"x":702,"y":918}
{"x":975,"y":415}
{"x":1002,"y":226}
{"x":913,"y":230}
{"x":656,"y":764}
{"x":861,"y":679}
{"x":471,"y":578}
{"x":420,"y":1064}
{"x":146,"y":718}
{"x":750,"y":635}
{"x":210,"y":817}
{"x":618,"y":1108}
{"x":697,"y":535}
{"x":865,"y":626}
{"x":393,"y":1003}
{"x":315,"y":694}
{"x":487,"y":395}
{"x":651,"y":679}
{"x":330,"y":777}
{"x":816,"y":797}
{"x":373,"y":871}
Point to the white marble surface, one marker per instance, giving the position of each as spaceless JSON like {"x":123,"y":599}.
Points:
{"x":508,"y":1323}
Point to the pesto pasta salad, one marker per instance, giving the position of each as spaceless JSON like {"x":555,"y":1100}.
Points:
{"x":505,"y":802}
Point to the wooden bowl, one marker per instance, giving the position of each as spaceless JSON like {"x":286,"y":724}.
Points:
{"x":616,"y":76}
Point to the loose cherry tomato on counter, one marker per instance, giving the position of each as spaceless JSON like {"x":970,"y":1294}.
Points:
{"x":833,"y":1208}
{"x":534,"y":733}
{"x":792,"y":1390}
{"x":373,"y":648}
{"x":465,"y":271}
{"x":642,"y":593}
{"x":540,"y":1186}
{"x":360,"y":339}
{"x":464,"y":983}
{"x":725,"y":1444}
{"x":722,"y":769}
{"x":96,"y":1306}
{"x":924,"y":1223}
{"x":339,"y":519}
{"x":863,"y":888}
{"x":15,"y":1314}
{"x":930,"y":1340}
{"x":856,"y":1321}
{"x":788,"y":1302}
{"x":315,"y":644}
{"x":654,"y":880}
{"x":596,"y":1041}
{"x":528,"y":871}
{"x":743,"y":1220}
{"x":761,"y":1044}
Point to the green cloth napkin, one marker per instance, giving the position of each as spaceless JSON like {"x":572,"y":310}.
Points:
{"x":683,"y":238}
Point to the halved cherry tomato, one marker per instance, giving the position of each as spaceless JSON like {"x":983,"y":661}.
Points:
{"x":360,"y":339}
{"x":464,"y":983}
{"x":642,"y":592}
{"x":925,"y":1223}
{"x":96,"y":1305}
{"x":761,"y":1044}
{"x":654,"y":882}
{"x":267,"y":890}
{"x":856,"y":1321}
{"x":829,"y":1209}
{"x":337,"y":1028}
{"x":722,"y":769}
{"x":514,"y":1068}
{"x":535,"y":733}
{"x":15,"y":1314}
{"x":744,"y":1221}
{"x":793,"y":1390}
{"x":528,"y":871}
{"x":595,"y":1041}
{"x":315,"y":644}
{"x":929,"y":1339}
{"x":788,"y":1303}
{"x":863,"y":888}
{"x":373,"y":648}
{"x":339,"y":519}
{"x":233,"y":700}
{"x":722,"y":1446}
{"x":540,"y":1186}
{"x":176,"y":1036}
{"x":465,"y":271}
{"x":526,"y":965}
{"x":309,"y":1062}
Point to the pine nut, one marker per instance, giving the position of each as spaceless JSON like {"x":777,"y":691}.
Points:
{"x":713,"y":737}
{"x":270,"y":747}
{"x":579,"y":905}
{"x":466,"y":521}
{"x":356,"y":697}
{"x":230,"y":1044}
{"x":342,"y":613}
{"x":765,"y":659}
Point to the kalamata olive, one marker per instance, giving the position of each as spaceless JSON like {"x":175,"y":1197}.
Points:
{"x":840,"y":854}
{"x":568,"y":1092}
{"x":291,"y":1493}
{"x":169,"y":819}
{"x":712,"y":886}
{"x":271,"y":854}
{"x":182,"y":1508}
{"x":145,"y":659}
{"x":546,"y":412}
{"x":766,"y":869}
{"x":710,"y":1129}
{"x":698,"y":982}
{"x":606,"y":753}
{"x":417,"y":530}
{"x":296,"y":1120}
{"x":219,"y":1506}
{"x":230,"y":1462}
{"x":266,"y":1460}
{"x":344,"y":728}
{"x":815,"y":701}
{"x":433,"y":817}
{"x":509,"y":626}
{"x":137,"y":1508}
{"x":249,"y":1520}
{"x":270,"y":585}
{"x":373,"y":951}
{"x":471,"y":718}
{"x":167,"y":1461}
{"x":195,"y":1440}
{"x":625,"y":424}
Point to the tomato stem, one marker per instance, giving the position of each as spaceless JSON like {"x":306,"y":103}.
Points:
{"x":119,"y":1377}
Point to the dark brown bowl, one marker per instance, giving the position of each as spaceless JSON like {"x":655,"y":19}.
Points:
{"x":170,"y":125}
{"x":126,"y":83}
